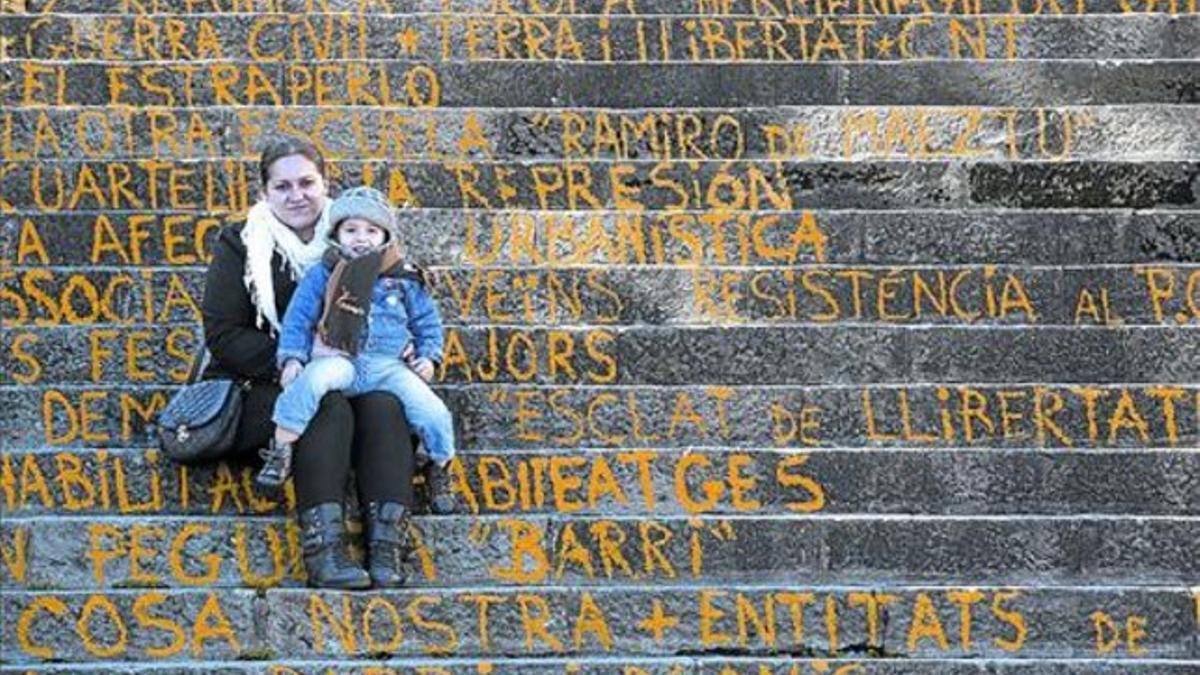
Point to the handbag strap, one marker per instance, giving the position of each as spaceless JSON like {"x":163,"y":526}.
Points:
{"x":200,"y":360}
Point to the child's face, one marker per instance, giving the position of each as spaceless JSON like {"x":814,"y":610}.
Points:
{"x":357,"y":236}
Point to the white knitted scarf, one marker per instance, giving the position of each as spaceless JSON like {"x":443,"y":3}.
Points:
{"x":263,"y":235}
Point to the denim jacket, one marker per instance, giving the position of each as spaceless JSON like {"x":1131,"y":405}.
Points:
{"x":402,"y":311}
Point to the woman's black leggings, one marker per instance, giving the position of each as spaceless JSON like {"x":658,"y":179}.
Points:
{"x":367,"y":433}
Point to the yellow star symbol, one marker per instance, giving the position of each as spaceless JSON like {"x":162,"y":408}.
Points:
{"x":5,"y":43}
{"x":658,"y":622}
{"x":884,"y":45}
{"x":409,"y":38}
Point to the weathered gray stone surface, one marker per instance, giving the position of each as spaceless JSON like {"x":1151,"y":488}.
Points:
{"x":830,"y":133}
{"x":74,"y":626}
{"x":1016,"y":623}
{"x":1029,"y":83}
{"x":774,"y":8}
{"x":738,"y":185}
{"x":647,"y":482}
{"x":706,"y":356}
{"x":453,"y":240}
{"x":1013,"y":83}
{"x":624,"y":551}
{"x":640,"y":666}
{"x":162,"y":304}
{"x":568,"y":416}
{"x":266,"y":37}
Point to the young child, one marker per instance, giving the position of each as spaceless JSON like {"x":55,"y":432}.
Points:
{"x":362,"y":321}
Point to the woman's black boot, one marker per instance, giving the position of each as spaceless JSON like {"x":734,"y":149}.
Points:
{"x":328,"y":564}
{"x":388,"y":545}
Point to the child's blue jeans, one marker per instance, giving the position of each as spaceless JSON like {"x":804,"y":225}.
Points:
{"x":426,"y":413}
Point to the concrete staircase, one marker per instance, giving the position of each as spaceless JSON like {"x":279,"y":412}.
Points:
{"x":783,"y":337}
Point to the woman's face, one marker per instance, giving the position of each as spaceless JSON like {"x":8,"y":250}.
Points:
{"x":295,"y":191}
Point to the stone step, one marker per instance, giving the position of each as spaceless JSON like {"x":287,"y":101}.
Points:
{"x":829,"y":133}
{"x":557,"y":85}
{"x":930,"y":623}
{"x":544,"y":239}
{"x":316,"y":38}
{"x":698,"y":356}
{"x":616,"y":8}
{"x":160,"y":305}
{"x":598,"y":186}
{"x":525,"y":417}
{"x":651,"y":483}
{"x":161,"y":552}
{"x":642,"y":666}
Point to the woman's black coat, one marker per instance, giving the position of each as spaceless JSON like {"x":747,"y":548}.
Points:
{"x":239,"y":348}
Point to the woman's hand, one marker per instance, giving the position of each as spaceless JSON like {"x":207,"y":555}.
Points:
{"x":420,"y":365}
{"x":291,"y":370}
{"x":423,"y":367}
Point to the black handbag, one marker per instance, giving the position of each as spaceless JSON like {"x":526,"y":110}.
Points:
{"x":200,"y":422}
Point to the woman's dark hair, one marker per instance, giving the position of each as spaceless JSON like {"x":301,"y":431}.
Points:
{"x":284,"y":146}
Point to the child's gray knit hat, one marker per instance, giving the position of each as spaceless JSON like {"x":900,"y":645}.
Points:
{"x":368,"y":204}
